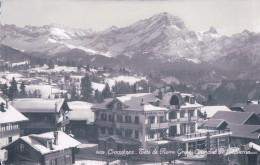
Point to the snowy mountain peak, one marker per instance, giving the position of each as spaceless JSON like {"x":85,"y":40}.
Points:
{"x":212,"y":30}
{"x":167,"y":19}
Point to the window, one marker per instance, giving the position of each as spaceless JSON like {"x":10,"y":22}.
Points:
{"x":10,"y":139}
{"x":104,"y":117}
{"x":119,"y":132}
{"x":103,"y":130}
{"x":127,"y":119}
{"x":136,"y":119}
{"x":119,"y":118}
{"x":111,"y":117}
{"x":161,"y":119}
{"x":151,"y":119}
{"x":182,"y":114}
{"x":173,"y":115}
{"x":67,"y":160}
{"x":191,"y":113}
{"x":54,"y":162}
{"x":137,"y":134}
{"x":21,"y":147}
{"x":110,"y":131}
{"x":128,"y":133}
{"x":119,"y":106}
{"x":151,"y":135}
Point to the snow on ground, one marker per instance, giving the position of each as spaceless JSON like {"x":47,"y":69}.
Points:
{"x":98,"y":86}
{"x":61,"y":33}
{"x":9,"y":76}
{"x":130,"y":79}
{"x":20,"y":63}
{"x":3,"y":81}
{"x":88,"y":50}
{"x":45,"y":90}
{"x":57,"y":68}
{"x":171,"y":80}
{"x":195,"y":61}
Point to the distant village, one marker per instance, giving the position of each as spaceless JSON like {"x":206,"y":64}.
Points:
{"x":59,"y":113}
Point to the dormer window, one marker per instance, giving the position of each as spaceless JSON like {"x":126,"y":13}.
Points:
{"x":119,"y":106}
{"x":174,"y":100}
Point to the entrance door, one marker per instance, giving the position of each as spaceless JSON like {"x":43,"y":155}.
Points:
{"x":173,"y":130}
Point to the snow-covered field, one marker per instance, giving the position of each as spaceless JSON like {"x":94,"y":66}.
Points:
{"x":57,"y":68}
{"x":130,"y":79}
{"x":45,"y":90}
{"x":9,"y":76}
{"x":98,"y":86}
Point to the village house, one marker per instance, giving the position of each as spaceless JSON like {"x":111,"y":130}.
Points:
{"x":209,"y":111}
{"x":81,"y":120}
{"x":10,"y":120}
{"x":51,"y":148}
{"x":44,"y":114}
{"x":249,"y":106}
{"x":245,"y":134}
{"x":148,"y":121}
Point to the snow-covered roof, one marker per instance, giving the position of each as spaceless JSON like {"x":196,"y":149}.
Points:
{"x":81,"y":111}
{"x":211,"y":110}
{"x":38,"y":105}
{"x":252,"y":145}
{"x":11,"y":114}
{"x":64,"y":142}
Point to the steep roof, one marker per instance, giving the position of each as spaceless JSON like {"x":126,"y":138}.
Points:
{"x":248,"y":107}
{"x":11,"y":114}
{"x":244,"y":131}
{"x":211,"y":110}
{"x":136,"y":102}
{"x":81,"y":111}
{"x":64,"y":142}
{"x":232,"y":117}
{"x":214,"y":123}
{"x":39,"y":105}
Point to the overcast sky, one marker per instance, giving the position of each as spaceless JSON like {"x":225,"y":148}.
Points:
{"x":227,"y":16}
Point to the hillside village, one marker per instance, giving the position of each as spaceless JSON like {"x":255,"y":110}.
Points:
{"x":60,"y":113}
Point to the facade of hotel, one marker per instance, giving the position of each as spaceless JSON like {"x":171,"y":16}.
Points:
{"x":149,"y":121}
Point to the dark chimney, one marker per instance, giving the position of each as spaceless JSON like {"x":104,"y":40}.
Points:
{"x":142,"y":103}
{"x":6,"y":105}
{"x":160,"y":94}
{"x":56,"y":137}
{"x":2,"y":106}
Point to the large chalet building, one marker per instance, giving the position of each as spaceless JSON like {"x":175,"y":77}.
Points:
{"x":10,"y":120}
{"x":44,"y":114}
{"x":50,"y":148}
{"x":150,"y":121}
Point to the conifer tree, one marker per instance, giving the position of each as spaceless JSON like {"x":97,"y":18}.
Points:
{"x":86,"y":89}
{"x":13,"y":90}
{"x":106,"y":92}
{"x":23,"y":93}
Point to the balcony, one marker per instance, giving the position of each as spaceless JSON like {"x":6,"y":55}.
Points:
{"x":203,"y":135}
{"x":158,"y":125}
{"x":104,"y":123}
{"x":184,"y":119}
{"x":11,"y":132}
{"x":47,"y":125}
{"x":129,"y":125}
